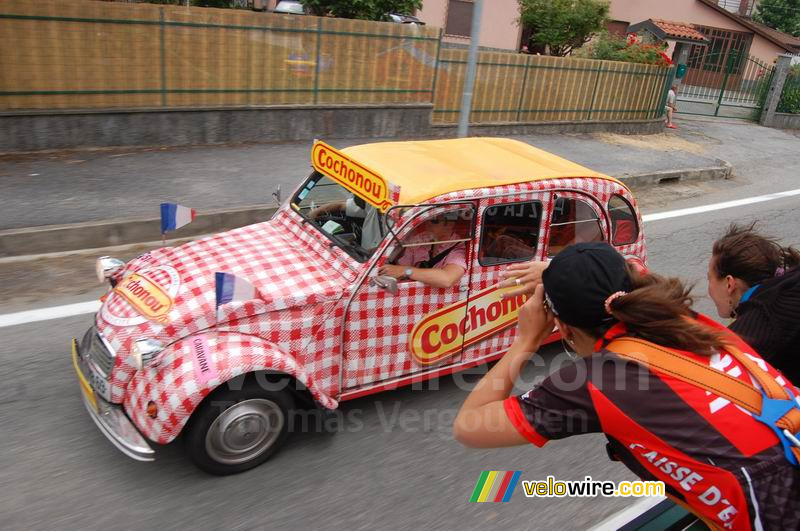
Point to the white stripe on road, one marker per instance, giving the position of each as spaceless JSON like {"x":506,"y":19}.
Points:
{"x":625,"y":516}
{"x":58,"y":312}
{"x":718,"y":206}
{"x":45,"y":314}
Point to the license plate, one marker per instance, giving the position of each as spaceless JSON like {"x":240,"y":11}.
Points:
{"x":87,"y":390}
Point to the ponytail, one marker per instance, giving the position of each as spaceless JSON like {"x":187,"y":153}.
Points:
{"x":658,"y":309}
{"x":745,"y":254}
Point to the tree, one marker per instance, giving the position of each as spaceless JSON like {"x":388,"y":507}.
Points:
{"x":362,"y":9}
{"x":559,"y":26}
{"x":783,"y":15}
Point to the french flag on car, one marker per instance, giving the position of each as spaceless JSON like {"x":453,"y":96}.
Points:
{"x":231,"y":288}
{"x":175,"y":216}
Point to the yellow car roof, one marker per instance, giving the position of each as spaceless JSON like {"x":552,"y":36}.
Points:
{"x":429,"y":168}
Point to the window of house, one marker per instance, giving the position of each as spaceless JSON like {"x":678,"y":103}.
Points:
{"x":715,"y":56}
{"x":573,"y":221}
{"x":624,"y":226}
{"x":459,"y":18}
{"x":510,"y":233}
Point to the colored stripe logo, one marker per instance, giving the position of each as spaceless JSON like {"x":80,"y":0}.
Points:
{"x":494,"y":486}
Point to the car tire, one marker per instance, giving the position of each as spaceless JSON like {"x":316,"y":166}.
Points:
{"x":233,"y":431}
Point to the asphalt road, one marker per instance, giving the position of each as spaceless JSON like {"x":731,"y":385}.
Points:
{"x":116,"y":184}
{"x":393,"y":464}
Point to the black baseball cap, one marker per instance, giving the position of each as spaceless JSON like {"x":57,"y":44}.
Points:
{"x":580,"y":279}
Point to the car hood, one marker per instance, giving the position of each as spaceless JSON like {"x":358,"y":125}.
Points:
{"x":170,"y":293}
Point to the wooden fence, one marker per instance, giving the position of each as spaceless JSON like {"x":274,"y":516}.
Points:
{"x":81,"y":54}
{"x":513,"y":87}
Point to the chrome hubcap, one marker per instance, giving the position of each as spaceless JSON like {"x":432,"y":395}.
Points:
{"x":244,"y":431}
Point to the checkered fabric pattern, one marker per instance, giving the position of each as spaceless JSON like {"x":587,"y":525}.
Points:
{"x":298,"y":274}
{"x":378,"y":324}
{"x":176,"y":391}
{"x":299,"y":327}
{"x":486,"y":276}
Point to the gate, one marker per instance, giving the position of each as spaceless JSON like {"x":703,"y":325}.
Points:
{"x":729,"y":84}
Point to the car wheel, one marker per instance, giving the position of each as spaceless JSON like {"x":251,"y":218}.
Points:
{"x":233,"y":431}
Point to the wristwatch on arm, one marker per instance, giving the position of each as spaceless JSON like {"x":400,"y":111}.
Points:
{"x":407,"y":272}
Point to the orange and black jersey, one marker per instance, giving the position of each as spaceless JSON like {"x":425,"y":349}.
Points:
{"x":729,"y":467}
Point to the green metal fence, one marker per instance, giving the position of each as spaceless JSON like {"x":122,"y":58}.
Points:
{"x":723,"y":80}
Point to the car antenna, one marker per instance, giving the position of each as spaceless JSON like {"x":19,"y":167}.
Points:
{"x":276,"y":195}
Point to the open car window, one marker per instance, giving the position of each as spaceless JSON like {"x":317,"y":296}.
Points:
{"x":442,"y":231}
{"x":573,"y":221}
{"x":347,"y":220}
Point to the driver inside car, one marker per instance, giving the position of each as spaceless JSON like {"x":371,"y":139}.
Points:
{"x":355,"y":207}
{"x":440,"y":265}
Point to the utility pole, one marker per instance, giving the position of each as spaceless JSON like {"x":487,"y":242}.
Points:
{"x":472,"y":66}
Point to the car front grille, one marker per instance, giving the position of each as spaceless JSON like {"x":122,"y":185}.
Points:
{"x":96,"y":353}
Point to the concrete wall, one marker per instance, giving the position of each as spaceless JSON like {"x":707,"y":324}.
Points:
{"x":786,"y":121}
{"x":499,"y":28}
{"x":74,"y":130}
{"x":694,"y":12}
{"x":33,"y":131}
{"x":765,"y":50}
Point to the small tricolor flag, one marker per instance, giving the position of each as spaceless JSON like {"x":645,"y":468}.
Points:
{"x":494,"y":486}
{"x":231,"y":288}
{"x":174,"y":216}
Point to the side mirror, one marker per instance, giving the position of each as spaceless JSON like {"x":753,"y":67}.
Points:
{"x":385,"y":282}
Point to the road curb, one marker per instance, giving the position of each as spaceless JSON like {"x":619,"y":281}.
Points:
{"x":722,"y":170}
{"x":99,"y":234}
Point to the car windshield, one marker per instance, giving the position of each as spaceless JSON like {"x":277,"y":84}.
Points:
{"x":344,"y":218}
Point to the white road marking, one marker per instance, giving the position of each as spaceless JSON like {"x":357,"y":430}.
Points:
{"x":619,"y":519}
{"x":718,"y":206}
{"x":69,"y":310}
{"x":45,"y":314}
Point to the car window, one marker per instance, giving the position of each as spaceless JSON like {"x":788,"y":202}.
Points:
{"x":510,"y":233}
{"x":573,"y":221}
{"x":343,"y":217}
{"x":441,"y":233}
{"x":624,"y":225}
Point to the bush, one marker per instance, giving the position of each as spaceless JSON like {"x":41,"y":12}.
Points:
{"x":790,"y":98}
{"x":630,"y":50}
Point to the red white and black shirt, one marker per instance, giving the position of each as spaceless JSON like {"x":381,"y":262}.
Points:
{"x":710,"y":453}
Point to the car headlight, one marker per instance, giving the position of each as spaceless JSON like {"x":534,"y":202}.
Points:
{"x":145,"y":351}
{"x":106,"y":267}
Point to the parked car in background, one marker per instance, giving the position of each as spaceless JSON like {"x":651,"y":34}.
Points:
{"x":405,"y":19}
{"x":290,"y":7}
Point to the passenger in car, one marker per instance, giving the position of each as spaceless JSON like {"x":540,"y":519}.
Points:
{"x":440,"y":265}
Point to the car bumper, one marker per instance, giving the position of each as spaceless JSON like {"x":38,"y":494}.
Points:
{"x":111,"y":419}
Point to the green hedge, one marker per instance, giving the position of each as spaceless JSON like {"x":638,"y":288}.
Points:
{"x":790,"y":97}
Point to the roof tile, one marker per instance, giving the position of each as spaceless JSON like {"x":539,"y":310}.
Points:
{"x":682,"y":30}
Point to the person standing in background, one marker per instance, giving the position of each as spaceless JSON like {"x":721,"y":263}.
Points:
{"x":672,"y":106}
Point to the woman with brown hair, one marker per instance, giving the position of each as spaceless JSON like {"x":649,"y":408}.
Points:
{"x":757,"y":281}
{"x":647,"y":363}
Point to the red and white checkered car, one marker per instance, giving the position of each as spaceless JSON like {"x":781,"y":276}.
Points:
{"x":163,"y":358}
